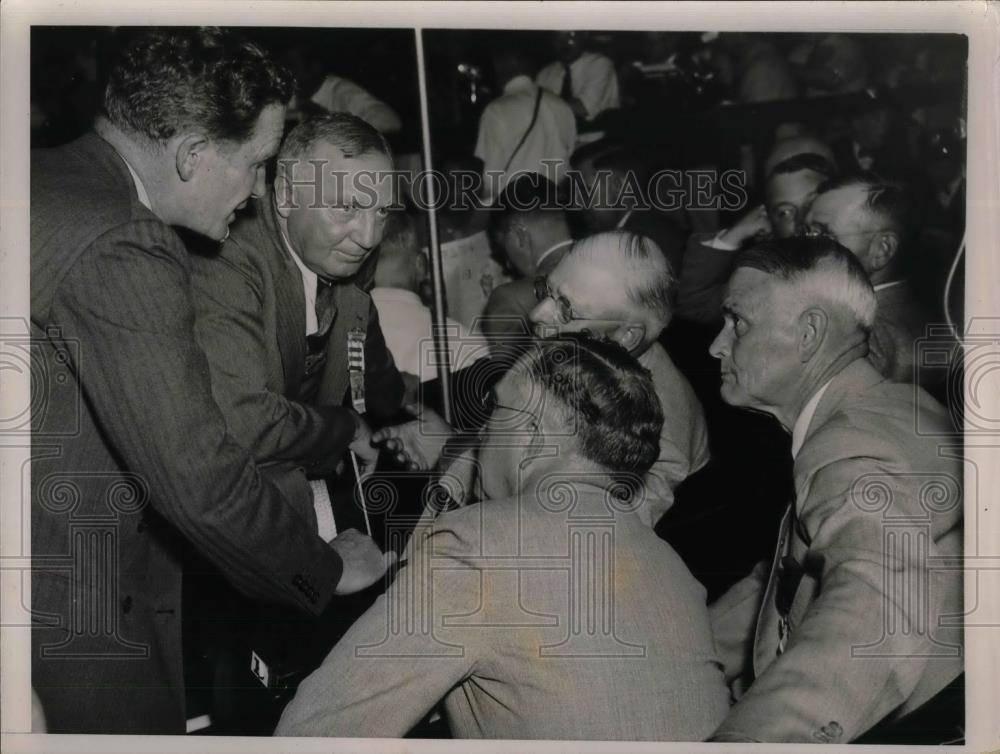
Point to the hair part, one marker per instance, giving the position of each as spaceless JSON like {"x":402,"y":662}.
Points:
{"x":821,"y":269}
{"x":889,"y":201}
{"x":348,"y":133}
{"x":607,"y":394}
{"x":650,"y":282}
{"x":167,"y":81}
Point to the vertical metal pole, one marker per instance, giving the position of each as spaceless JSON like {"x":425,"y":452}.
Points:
{"x":437,"y":273}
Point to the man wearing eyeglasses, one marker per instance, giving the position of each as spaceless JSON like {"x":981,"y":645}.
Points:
{"x":618,"y":285}
{"x":854,"y":620}
{"x":550,"y":610}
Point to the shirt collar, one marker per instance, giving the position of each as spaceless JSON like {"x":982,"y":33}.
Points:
{"x":805,"y":418}
{"x":518,"y":84}
{"x":548,"y":252}
{"x":890,"y":284}
{"x":140,"y":190}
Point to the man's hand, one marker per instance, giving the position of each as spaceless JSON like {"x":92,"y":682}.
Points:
{"x":416,"y":444}
{"x":362,"y":447}
{"x":364,"y":562}
{"x":754,"y":223}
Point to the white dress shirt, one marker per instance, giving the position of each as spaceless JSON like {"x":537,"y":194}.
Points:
{"x":505,"y":120}
{"x":337,"y":94}
{"x":595,"y":82}
{"x":406,"y":325}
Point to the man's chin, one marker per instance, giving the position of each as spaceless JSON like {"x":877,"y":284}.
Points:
{"x":732,"y":395}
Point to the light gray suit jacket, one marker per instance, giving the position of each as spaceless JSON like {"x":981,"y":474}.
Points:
{"x":555,"y":617}
{"x":877,"y":528}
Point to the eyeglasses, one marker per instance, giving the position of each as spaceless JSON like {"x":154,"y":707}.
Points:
{"x":488,"y":405}
{"x":564,"y":309}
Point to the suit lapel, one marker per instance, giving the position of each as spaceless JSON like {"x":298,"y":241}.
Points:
{"x":289,"y":301}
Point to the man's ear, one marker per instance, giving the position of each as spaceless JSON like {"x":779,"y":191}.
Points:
{"x":630,"y":336}
{"x":813,"y":325}
{"x":190,"y":155}
{"x":284,"y":194}
{"x":881,"y":249}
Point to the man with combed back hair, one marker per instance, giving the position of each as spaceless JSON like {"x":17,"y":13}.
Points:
{"x":846,"y":627}
{"x":618,"y":285}
{"x":190,"y":117}
{"x":550,"y":610}
{"x":873,"y":218}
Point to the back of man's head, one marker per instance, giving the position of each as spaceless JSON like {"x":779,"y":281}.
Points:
{"x":527,"y":220}
{"x":401,"y":264}
{"x":821,"y":271}
{"x":167,"y":81}
{"x":640,"y":265}
{"x":604,"y":395}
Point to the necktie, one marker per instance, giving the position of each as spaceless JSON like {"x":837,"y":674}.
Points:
{"x":567,"y":85}
{"x":325,"y":308}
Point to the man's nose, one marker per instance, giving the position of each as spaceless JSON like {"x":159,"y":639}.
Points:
{"x":543,"y":313}
{"x":719,"y":346}
{"x":366,"y":230}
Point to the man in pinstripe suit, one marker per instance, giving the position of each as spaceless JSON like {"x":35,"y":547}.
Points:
{"x":134,"y":455}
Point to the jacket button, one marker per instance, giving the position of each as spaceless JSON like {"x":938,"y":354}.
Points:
{"x":127,"y":604}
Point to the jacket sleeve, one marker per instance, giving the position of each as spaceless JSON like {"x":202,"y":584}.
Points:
{"x":229,"y":327}
{"x":858,"y":651}
{"x":702,"y":283}
{"x":399,"y":659}
{"x":503,"y":320}
{"x":127,"y":303}
{"x":734,"y":618}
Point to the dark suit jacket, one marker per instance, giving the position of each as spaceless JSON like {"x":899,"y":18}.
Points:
{"x":876,"y":528}
{"x":661,"y":229}
{"x":251,"y":323}
{"x":130,"y":451}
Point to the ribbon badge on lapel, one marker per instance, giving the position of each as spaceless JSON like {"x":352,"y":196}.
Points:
{"x":356,"y":367}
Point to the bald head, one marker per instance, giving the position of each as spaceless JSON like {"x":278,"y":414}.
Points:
{"x":644,"y":271}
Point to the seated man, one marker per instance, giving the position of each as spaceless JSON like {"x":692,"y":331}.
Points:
{"x":491,"y":594}
{"x":873,"y":218}
{"x":843,"y":630}
{"x":278,"y":310}
{"x":534,"y":239}
{"x":790,"y":187}
{"x":618,"y":285}
{"x":405,"y":320}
